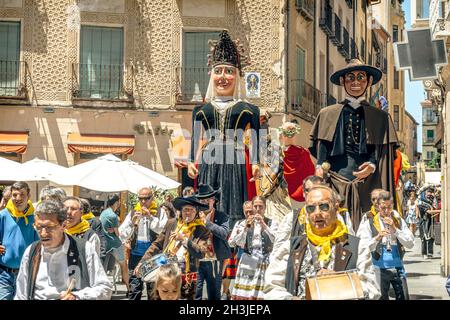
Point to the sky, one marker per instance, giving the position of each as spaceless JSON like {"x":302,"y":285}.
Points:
{"x":414,"y":92}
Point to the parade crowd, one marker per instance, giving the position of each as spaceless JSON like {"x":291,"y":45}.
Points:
{"x":258,"y":225}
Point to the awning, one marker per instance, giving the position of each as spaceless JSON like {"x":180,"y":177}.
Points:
{"x":97,"y":143}
{"x":13,"y":141}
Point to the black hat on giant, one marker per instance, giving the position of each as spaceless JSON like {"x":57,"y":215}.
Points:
{"x":226,"y":52}
{"x":205,"y":191}
{"x":356,"y":64}
{"x":180,"y":202}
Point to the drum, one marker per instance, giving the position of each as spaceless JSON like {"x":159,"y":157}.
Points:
{"x":344,"y":285}
{"x":150,"y":267}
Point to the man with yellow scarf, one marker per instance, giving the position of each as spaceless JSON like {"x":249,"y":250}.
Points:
{"x":185,"y":239}
{"x":77,"y":227}
{"x":386,"y":234}
{"x":16,"y":234}
{"x":325,"y":247}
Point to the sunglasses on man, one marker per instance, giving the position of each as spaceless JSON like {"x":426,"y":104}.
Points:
{"x":322,"y":207}
{"x":145,"y":198}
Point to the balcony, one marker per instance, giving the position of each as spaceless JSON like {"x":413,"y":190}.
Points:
{"x":326,"y":18}
{"x":13,"y":80}
{"x":305,"y":99}
{"x":305,"y":8}
{"x":336,"y":39}
{"x":344,"y":49}
{"x":192,"y":84}
{"x":97,"y":82}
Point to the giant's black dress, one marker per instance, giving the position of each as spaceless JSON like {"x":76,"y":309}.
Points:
{"x":222,"y":161}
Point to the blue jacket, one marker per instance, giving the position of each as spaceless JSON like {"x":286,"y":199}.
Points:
{"x":219,"y":229}
{"x":15,"y":237}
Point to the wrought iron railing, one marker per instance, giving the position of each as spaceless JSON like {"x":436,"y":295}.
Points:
{"x":13,"y":79}
{"x":305,"y":8}
{"x":192,"y":84}
{"x":326,"y":18}
{"x":305,"y":99}
{"x":337,"y":36}
{"x":102,"y":82}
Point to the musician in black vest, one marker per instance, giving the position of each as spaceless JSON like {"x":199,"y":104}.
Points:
{"x":78,"y":227}
{"x":387,"y":234}
{"x":211,"y":266}
{"x":324,"y":247}
{"x":59,"y":266}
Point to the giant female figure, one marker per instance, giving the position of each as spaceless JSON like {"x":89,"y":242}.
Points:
{"x":225,"y":133}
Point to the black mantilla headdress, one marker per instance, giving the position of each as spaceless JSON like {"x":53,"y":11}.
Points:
{"x":227,"y":51}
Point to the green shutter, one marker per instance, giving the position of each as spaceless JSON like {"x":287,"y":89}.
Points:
{"x":194,"y":73}
{"x":9,"y":58}
{"x":101,"y":62}
{"x":300,"y":75}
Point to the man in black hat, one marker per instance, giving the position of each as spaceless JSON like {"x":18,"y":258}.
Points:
{"x":210,"y":268}
{"x":184,"y":239}
{"x":355,"y":141}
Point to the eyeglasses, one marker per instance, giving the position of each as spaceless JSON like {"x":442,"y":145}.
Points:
{"x":322,"y":207}
{"x":49,"y":229}
{"x":385,"y":208}
{"x":145,"y":198}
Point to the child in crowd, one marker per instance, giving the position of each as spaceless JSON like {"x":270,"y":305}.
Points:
{"x":168,"y":283}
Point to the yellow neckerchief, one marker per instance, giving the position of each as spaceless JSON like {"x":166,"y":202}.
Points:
{"x":325,"y":242}
{"x":153,"y":208}
{"x":342,"y":211}
{"x":88,"y":216}
{"x":82,"y":227}
{"x":302,"y":216}
{"x":188,"y":230}
{"x":19,"y":214}
{"x":376,"y":219}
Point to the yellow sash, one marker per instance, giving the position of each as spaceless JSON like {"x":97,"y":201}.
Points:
{"x":153,"y":208}
{"x":19,"y":214}
{"x":325,"y":242}
{"x":188,"y":230}
{"x":88,"y":216}
{"x":82,"y":227}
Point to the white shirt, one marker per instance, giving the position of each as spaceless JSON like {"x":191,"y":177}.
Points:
{"x":353,"y":102}
{"x":146,"y":223}
{"x":404,"y":235}
{"x":238,"y":236}
{"x":53,"y":275}
{"x":275,"y":278}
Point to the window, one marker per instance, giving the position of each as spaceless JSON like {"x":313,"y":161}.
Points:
{"x":396,"y":117}
{"x":394,"y":33}
{"x":101,"y":62}
{"x":430,"y":155}
{"x":428,"y":115}
{"x":396,"y":79}
{"x":194,"y":73}
{"x":430,"y":136}
{"x":422,"y":9}
{"x":9,"y":58}
{"x":300,"y":75}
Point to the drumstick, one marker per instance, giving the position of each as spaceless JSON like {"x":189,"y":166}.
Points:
{"x":71,"y":286}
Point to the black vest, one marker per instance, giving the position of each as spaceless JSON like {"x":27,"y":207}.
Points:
{"x":346,"y":256}
{"x":76,"y":257}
